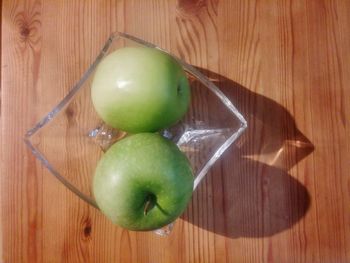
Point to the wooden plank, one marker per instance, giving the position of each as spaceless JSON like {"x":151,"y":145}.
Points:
{"x":281,"y":194}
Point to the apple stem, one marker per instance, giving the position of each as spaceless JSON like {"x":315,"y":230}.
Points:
{"x":147,"y":205}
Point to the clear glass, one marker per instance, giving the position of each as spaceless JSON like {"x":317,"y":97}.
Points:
{"x":71,"y":138}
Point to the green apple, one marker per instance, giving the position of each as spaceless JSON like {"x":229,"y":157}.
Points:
{"x":139,"y":89}
{"x":143,"y":182}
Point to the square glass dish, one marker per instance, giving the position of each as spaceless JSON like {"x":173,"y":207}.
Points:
{"x":70,"y":139}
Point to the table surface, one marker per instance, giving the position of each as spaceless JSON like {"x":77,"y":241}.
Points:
{"x":281,"y":194}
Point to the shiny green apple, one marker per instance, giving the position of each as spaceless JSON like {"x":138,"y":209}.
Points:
{"x":143,"y":182}
{"x":140,"y":89}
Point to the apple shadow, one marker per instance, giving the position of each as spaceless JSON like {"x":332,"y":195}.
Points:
{"x":258,"y":197}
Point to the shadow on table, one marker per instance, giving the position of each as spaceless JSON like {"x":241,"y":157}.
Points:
{"x":252,"y":193}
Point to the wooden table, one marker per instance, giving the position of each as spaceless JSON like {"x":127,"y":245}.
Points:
{"x":282,"y":194}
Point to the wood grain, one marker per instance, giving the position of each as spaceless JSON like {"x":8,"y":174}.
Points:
{"x":281,"y":194}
